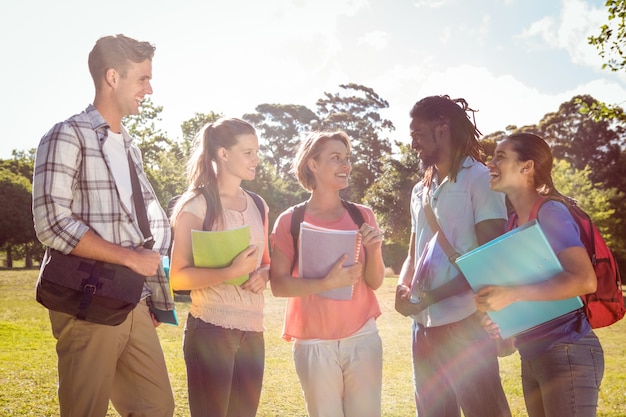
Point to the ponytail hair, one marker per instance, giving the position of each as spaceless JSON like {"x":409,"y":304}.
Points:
{"x":201,"y":167}
{"x":528,"y":147}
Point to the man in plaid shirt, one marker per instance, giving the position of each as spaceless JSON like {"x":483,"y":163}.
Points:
{"x":83,"y":205}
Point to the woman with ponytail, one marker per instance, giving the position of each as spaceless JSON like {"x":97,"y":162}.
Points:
{"x":562,"y":360}
{"x":223,"y":344}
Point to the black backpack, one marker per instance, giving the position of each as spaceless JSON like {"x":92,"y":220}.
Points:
{"x":298,"y":217}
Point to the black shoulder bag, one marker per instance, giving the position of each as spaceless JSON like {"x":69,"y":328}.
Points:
{"x":90,"y":290}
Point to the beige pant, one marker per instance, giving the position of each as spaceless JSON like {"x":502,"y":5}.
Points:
{"x":341,"y":378}
{"x":122,"y":363}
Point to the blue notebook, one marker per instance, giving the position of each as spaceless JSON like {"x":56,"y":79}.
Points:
{"x":521,"y":256}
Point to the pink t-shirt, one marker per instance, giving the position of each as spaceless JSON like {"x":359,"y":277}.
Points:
{"x":315,"y":317}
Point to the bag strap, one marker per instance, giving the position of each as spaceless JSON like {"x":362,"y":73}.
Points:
{"x":448,"y":249}
{"x":296,"y":218}
{"x":259,"y":204}
{"x":140,"y":206}
{"x":534,"y":211}
{"x":459,"y":284}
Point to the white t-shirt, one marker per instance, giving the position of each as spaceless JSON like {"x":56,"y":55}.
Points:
{"x":458,"y":207}
{"x":115,"y":150}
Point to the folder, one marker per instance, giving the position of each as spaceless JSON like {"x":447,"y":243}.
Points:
{"x":521,"y":256}
{"x":422,"y":275}
{"x":320,"y":248}
{"x":217,"y":249}
{"x":166,"y":316}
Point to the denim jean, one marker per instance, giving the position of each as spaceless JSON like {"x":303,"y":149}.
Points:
{"x":455,"y":367}
{"x":564,"y":381}
{"x":224,"y":369}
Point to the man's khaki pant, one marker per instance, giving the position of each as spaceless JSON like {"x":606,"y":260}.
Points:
{"x":123,"y":363}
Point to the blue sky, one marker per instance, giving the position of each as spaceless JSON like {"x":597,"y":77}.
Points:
{"x":513,"y":60}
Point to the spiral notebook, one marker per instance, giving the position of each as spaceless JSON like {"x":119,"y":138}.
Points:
{"x":320,"y":249}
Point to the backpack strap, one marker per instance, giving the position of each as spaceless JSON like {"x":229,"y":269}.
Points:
{"x":355,"y":213}
{"x":534,"y":212}
{"x":259,"y":204}
{"x":298,"y":217}
{"x":294,"y":228}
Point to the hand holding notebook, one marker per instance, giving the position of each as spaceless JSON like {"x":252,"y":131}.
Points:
{"x":321,"y":248}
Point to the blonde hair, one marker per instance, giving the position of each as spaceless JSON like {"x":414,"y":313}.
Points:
{"x":310,"y":148}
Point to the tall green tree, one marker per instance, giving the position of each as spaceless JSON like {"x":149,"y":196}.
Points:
{"x":192,"y":127}
{"x":16,"y":221}
{"x":143,"y":129}
{"x":596,"y":201}
{"x":582,"y":140}
{"x":20,"y":163}
{"x":180,"y":151}
{"x":390,"y":198}
{"x":280,"y":128}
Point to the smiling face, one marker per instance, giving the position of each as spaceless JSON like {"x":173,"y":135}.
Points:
{"x":426,"y":140}
{"x":242,"y":158}
{"x":332,"y":166}
{"x":131,"y":89}
{"x":506,"y":170}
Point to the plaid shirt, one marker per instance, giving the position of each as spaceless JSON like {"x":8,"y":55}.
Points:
{"x":74,"y":191}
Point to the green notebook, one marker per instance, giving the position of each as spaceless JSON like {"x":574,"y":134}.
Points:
{"x":217,"y":249}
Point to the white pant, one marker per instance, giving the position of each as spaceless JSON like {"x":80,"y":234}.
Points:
{"x":341,"y":378}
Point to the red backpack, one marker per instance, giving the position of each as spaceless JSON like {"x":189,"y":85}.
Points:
{"x":606,"y":305}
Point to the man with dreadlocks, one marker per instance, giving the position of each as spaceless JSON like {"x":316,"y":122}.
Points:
{"x":455,"y":363}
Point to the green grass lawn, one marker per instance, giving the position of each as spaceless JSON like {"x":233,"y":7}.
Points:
{"x":28,"y":360}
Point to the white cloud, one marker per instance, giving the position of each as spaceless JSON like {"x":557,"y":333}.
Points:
{"x":377,"y":40}
{"x":577,"y":21}
{"x":446,"y":35}
{"x":431,"y":4}
{"x":500,"y":100}
{"x":545,"y":29}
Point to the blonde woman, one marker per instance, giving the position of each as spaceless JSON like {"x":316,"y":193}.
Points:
{"x":337,"y":350}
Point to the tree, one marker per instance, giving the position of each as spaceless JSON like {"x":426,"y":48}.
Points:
{"x":594,"y":200}
{"x":21,"y":163}
{"x":192,"y":127}
{"x":610,"y":41}
{"x":609,"y":44}
{"x":280,"y":128}
{"x":164,"y":160}
{"x":356,"y":112}
{"x":142,"y":128}
{"x":581,"y":140}
{"x":390,"y":198}
{"x":16,"y":222}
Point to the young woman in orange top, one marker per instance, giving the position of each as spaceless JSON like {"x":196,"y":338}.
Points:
{"x":337,"y":350}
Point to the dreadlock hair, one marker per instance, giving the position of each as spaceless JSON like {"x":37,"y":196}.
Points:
{"x":463,"y":131}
